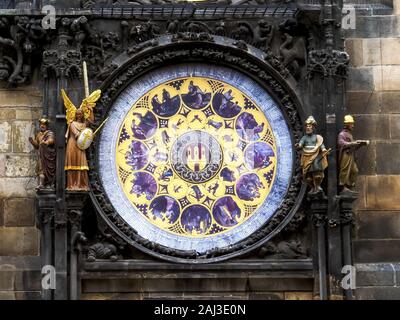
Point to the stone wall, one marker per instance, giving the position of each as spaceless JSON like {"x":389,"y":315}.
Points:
{"x":19,"y":111}
{"x":374,"y":98}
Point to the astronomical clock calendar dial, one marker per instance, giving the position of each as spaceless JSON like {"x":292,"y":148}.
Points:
{"x":195,"y":157}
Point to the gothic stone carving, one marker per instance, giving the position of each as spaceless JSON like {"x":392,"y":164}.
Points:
{"x":292,"y":249}
{"x":77,"y":40}
{"x":335,"y":64}
{"x":21,"y":39}
{"x":102,"y":250}
{"x":90,"y":3}
{"x":288,"y":55}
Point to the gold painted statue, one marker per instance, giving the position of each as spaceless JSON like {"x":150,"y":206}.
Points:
{"x":314,"y":157}
{"x":75,"y":158}
{"x":348,"y":169}
{"x":44,"y":142}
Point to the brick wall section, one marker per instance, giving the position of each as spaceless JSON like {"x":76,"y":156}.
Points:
{"x":374,"y":98}
{"x":378,"y":281}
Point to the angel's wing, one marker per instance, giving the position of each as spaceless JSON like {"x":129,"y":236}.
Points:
{"x":89,"y":103}
{"x":69,"y":107}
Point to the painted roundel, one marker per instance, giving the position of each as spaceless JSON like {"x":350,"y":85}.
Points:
{"x":195,"y":157}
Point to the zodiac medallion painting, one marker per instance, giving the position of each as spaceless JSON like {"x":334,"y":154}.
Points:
{"x":194,"y":158}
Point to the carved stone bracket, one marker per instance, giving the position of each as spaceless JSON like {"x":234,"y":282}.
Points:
{"x":319,"y":210}
{"x":291,"y":249}
{"x":45,"y":202}
{"x":75,"y":204}
{"x":346,"y":209}
{"x":75,"y":217}
{"x":102,"y":250}
{"x":346,"y":217}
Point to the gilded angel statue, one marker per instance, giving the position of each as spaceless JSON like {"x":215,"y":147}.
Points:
{"x":79,"y":138}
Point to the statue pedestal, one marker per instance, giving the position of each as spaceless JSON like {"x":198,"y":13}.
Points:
{"x":346,"y":221}
{"x":59,"y":238}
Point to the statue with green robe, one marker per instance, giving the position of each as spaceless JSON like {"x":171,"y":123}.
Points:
{"x":314,"y":157}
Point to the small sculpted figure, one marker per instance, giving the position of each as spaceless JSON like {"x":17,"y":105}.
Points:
{"x":314,"y":157}
{"x":44,"y":142}
{"x":78,"y":120}
{"x":348,"y":169}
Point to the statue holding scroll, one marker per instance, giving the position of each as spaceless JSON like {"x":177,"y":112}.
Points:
{"x":348,"y":169}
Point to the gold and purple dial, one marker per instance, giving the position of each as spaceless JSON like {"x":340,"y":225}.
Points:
{"x":194,"y":157}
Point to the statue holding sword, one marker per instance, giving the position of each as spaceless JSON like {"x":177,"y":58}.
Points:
{"x":79,"y":137}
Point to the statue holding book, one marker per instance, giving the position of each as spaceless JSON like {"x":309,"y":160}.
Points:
{"x":348,"y":169}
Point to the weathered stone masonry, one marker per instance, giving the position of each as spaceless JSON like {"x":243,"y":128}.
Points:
{"x":19,"y":109}
{"x":373,"y":96}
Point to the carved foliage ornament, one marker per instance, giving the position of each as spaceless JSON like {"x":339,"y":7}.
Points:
{"x":21,"y":39}
{"x":334,"y":64}
{"x":90,"y":3}
{"x":77,"y":40}
{"x":287,"y":57}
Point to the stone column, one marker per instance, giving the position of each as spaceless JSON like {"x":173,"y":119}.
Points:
{"x":46,"y":200}
{"x":76,"y":202}
{"x":319,"y":211}
{"x":334,"y":87}
{"x":346,"y":222}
